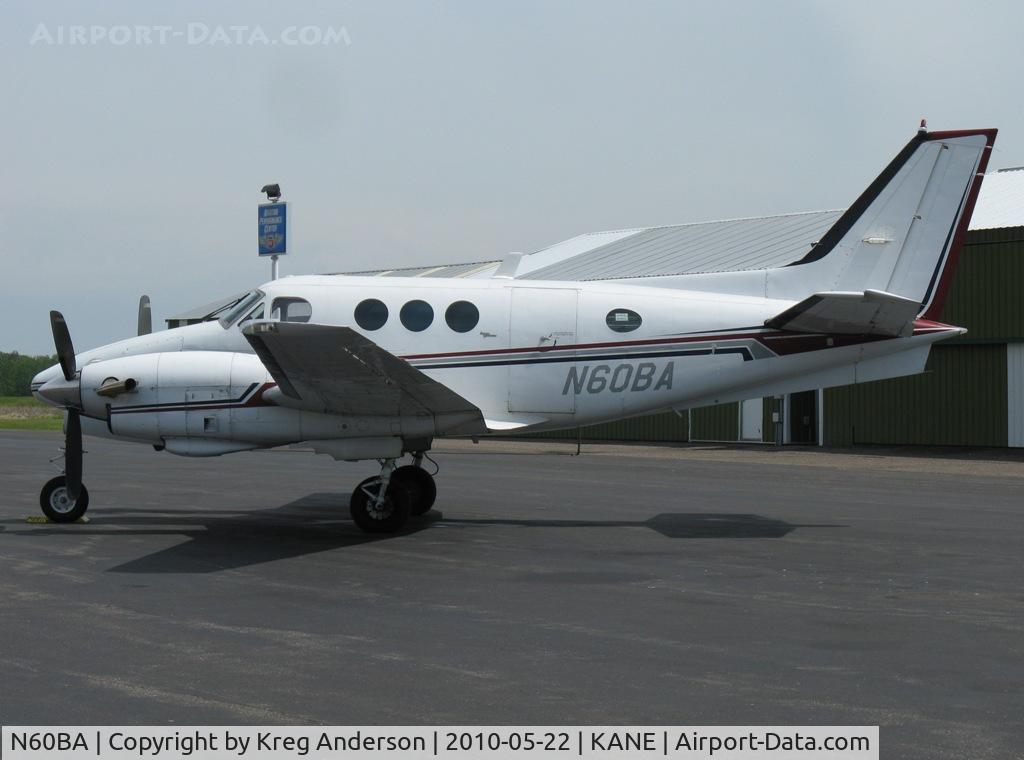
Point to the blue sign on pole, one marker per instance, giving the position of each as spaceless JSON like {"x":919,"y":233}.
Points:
{"x":273,"y":223}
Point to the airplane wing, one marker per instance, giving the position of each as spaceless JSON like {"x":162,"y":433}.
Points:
{"x":872,"y":312}
{"x":336,"y":370}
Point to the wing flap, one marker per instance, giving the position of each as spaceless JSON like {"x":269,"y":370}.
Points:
{"x":872,"y":312}
{"x":336,"y":370}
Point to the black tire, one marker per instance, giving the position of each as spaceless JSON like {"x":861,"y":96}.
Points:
{"x":420,"y":485}
{"x":55,"y":504}
{"x":393,"y":513}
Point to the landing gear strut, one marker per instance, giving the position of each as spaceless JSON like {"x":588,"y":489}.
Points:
{"x":382,"y":504}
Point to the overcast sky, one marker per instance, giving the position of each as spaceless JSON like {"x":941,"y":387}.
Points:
{"x":423,"y":133}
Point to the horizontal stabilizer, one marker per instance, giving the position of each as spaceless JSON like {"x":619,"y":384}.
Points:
{"x":336,"y":370}
{"x":869,"y":313}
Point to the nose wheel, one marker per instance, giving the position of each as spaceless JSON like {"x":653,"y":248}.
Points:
{"x":57,"y":504}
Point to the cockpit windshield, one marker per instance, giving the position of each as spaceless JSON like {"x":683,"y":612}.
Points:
{"x":242,"y":307}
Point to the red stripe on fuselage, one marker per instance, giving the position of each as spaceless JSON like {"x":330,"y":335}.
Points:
{"x":803,"y":342}
{"x":583,"y":346}
{"x":256,"y":399}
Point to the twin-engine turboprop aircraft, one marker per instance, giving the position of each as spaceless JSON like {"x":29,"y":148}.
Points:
{"x":376,"y":368}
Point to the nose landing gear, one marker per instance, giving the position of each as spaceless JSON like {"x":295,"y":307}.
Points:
{"x":382,"y":504}
{"x":57,"y":504}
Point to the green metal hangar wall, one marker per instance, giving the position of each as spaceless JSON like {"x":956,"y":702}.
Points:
{"x":971,"y":394}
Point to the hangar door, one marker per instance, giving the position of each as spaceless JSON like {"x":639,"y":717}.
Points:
{"x":543,"y":319}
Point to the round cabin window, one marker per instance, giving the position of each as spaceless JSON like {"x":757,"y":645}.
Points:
{"x":417,"y":315}
{"x":371,"y":314}
{"x":623,"y":320}
{"x":462,"y":316}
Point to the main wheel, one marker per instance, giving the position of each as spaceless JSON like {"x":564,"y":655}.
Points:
{"x":392,"y":513}
{"x":420,"y":485}
{"x":58,"y":506}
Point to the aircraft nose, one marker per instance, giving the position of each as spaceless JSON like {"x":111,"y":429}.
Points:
{"x":44,"y":377}
{"x":45,"y":385}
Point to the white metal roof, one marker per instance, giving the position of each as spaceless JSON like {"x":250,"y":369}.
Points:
{"x":691,"y":248}
{"x":200,"y":313}
{"x":1001,"y":201}
{"x":718,"y":246}
{"x":752,"y":243}
{"x":469,"y":269}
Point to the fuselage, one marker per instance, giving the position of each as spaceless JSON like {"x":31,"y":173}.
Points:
{"x":537,"y":355}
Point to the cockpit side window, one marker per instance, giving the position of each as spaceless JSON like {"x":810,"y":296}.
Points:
{"x":241,"y":307}
{"x":256,"y":313}
{"x":291,"y":310}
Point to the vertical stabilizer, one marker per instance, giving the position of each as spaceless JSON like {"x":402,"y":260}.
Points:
{"x":904,"y":233}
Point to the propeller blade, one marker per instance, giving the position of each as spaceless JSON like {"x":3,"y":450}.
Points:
{"x":73,"y":454}
{"x":145,"y":316}
{"x":62,"y":342}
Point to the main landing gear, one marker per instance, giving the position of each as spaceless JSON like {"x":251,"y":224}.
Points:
{"x":382,"y":503}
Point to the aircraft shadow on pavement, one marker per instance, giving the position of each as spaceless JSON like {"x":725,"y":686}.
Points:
{"x":672,"y":525}
{"x":229,"y":539}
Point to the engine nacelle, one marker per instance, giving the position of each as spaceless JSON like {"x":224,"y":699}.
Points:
{"x":207,"y":403}
{"x":181,"y":395}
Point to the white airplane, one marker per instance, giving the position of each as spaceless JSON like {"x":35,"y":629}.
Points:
{"x":376,"y":368}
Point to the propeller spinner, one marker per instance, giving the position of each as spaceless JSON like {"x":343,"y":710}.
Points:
{"x":66,"y":391}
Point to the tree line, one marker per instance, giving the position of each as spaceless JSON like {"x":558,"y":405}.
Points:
{"x":17,"y":371}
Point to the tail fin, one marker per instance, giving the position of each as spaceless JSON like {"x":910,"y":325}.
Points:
{"x":904,"y":233}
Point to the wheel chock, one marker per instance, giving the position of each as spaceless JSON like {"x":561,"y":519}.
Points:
{"x":43,"y":520}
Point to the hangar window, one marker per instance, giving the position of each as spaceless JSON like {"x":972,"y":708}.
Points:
{"x":417,"y":315}
{"x":623,"y":320}
{"x":462,"y":316}
{"x":371,"y":314}
{"x":291,"y":310}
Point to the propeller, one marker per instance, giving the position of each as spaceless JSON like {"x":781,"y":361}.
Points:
{"x":145,"y":316}
{"x":67,"y":393}
{"x":62,"y":342}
